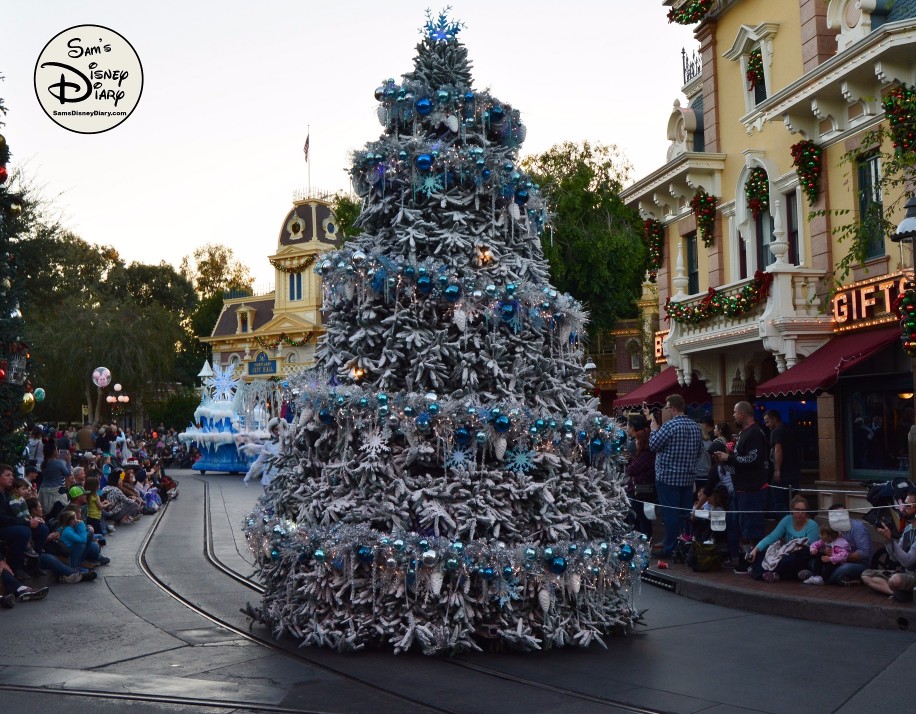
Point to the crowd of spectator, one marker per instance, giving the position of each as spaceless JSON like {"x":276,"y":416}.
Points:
{"x":713,"y":487}
{"x":74,"y":489}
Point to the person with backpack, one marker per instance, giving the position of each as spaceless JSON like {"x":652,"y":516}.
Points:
{"x":750,"y":461}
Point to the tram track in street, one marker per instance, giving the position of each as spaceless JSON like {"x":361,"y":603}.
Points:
{"x":249,"y":583}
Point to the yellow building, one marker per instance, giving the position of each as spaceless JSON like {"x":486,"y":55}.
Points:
{"x":274,"y":335}
{"x":749,"y":304}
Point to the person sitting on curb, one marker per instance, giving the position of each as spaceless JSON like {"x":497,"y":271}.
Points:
{"x":897,"y":584}
{"x":797,"y":526}
{"x":52,"y":560}
{"x":859,"y":541}
{"x":13,"y":590}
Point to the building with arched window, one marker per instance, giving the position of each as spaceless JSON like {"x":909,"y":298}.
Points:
{"x":274,"y":335}
{"x":773,"y":157}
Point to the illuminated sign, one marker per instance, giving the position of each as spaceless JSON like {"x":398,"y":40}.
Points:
{"x":868,"y":302}
{"x":660,"y":346}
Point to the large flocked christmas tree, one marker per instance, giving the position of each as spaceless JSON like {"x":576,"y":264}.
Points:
{"x":449,"y":484}
{"x":16,"y":398}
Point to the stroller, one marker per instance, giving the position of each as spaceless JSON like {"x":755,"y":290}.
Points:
{"x":886,"y":499}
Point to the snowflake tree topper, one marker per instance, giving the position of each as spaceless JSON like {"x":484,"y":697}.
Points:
{"x":223,"y":382}
{"x":440,"y":29}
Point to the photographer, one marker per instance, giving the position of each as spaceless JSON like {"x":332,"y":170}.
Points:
{"x":899,"y":585}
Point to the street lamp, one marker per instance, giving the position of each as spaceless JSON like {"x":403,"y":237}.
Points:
{"x":906,"y":233}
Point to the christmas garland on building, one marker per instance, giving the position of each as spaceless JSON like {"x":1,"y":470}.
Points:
{"x":716,"y":303}
{"x":655,"y":239}
{"x":690,"y":12}
{"x":900,"y":107}
{"x":905,"y":308}
{"x":704,"y":209}
{"x":754,"y":72}
{"x":297,"y":267}
{"x":757,"y":191}
{"x":286,"y":339}
{"x":806,"y":157}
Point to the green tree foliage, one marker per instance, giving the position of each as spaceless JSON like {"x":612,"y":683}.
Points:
{"x":15,"y":217}
{"x":176,"y":411}
{"x":346,"y":208}
{"x":595,"y":247}
{"x":213,"y":268}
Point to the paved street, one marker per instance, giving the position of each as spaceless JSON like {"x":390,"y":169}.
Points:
{"x":123,"y":634}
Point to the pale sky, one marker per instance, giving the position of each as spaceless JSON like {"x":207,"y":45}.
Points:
{"x":213,"y":151}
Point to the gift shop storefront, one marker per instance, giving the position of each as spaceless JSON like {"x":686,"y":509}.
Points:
{"x":861,"y":385}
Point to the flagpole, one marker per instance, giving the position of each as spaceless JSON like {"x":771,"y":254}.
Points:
{"x":308,"y":158}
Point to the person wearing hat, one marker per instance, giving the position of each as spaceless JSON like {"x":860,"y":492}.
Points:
{"x":77,"y":495}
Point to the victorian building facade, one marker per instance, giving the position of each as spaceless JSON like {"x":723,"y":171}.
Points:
{"x":274,"y":335}
{"x":769,"y":159}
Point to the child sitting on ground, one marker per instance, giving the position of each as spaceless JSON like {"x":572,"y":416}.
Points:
{"x":829,"y":552}
{"x":702,"y":527}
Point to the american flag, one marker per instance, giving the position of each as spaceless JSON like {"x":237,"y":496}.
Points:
{"x":305,"y":147}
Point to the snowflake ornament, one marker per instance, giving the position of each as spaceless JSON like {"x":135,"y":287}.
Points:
{"x":374,"y":444}
{"x":519,"y":460}
{"x":429,"y":184}
{"x":223,"y":384}
{"x":458,"y":458}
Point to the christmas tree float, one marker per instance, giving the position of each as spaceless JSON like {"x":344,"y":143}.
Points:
{"x":450,"y":485}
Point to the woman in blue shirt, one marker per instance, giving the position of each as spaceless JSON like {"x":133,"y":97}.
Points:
{"x":797,"y":525}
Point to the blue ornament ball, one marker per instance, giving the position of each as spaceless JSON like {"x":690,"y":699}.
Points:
{"x":452,"y":293}
{"x":558,"y":565}
{"x":548,"y":552}
{"x":424,"y":106}
{"x":410,"y":272}
{"x":463,"y":435}
{"x":319,"y":555}
{"x":326,"y":417}
{"x":497,"y":115}
{"x":398,"y":544}
{"x":626,"y":552}
{"x":502,"y":424}
{"x":451,"y":563}
{"x":530,"y":553}
{"x":469,"y":97}
{"x":424,"y":285}
{"x":275,"y":554}
{"x":365,"y":553}
{"x":434,"y":408}
{"x":481,"y":437}
{"x":487,"y":573}
{"x":507,"y":311}
{"x":409,"y":411}
{"x":508,"y":572}
{"x":424,"y":162}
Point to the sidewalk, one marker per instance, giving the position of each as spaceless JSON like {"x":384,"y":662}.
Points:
{"x":855,"y":605}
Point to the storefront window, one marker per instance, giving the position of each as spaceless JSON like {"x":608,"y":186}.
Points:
{"x":878,"y":421}
{"x":801,"y":418}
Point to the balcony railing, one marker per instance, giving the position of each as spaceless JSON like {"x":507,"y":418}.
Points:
{"x":691,"y":65}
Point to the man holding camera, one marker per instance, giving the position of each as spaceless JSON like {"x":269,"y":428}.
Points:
{"x":899,"y":585}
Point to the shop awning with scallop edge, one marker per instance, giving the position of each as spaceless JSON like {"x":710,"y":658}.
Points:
{"x":823,"y":368}
{"x":660,"y":386}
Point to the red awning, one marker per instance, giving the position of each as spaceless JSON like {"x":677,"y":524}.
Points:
{"x":660,"y":386}
{"x":823,"y":368}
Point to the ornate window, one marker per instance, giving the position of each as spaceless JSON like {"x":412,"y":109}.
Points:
{"x":871,"y":205}
{"x":295,"y":286}
{"x":753,"y":51}
{"x":693,"y":263}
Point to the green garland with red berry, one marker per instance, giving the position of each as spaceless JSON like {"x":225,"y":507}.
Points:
{"x":900,"y":108}
{"x":690,"y":12}
{"x":655,"y":240}
{"x":716,"y":303}
{"x":757,"y":191}
{"x":905,"y":308}
{"x":704,"y":209}
{"x":754,"y":72}
{"x":807,"y":159}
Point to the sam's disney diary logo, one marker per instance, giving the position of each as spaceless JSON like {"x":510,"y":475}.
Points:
{"x":88,"y":79}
